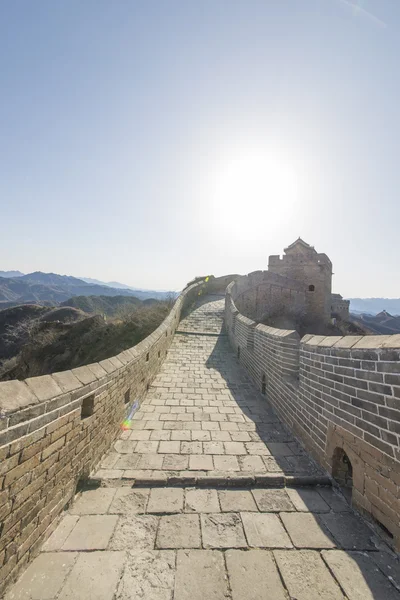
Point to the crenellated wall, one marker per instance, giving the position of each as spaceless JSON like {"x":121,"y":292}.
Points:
{"x":340,"y":396}
{"x":54,"y":430}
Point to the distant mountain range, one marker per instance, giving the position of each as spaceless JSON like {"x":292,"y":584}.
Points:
{"x":11,"y":274}
{"x":373,"y":306}
{"x":50,"y":289}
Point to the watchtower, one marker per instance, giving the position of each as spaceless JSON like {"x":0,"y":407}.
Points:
{"x":314,"y":270}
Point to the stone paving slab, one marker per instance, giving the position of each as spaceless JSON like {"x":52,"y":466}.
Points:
{"x":201,"y":501}
{"x":253,"y":575}
{"x":148,"y":575}
{"x":129,"y":501}
{"x":91,"y":532}
{"x":222,"y":531}
{"x":59,"y":536}
{"x":307,"y":500}
{"x":165,"y":500}
{"x":94,"y":575}
{"x":274,"y":500}
{"x":200,"y":575}
{"x":265,"y":531}
{"x":93,"y":502}
{"x":358,"y":576}
{"x":134,"y":532}
{"x":236,"y":500}
{"x":179,"y":531}
{"x":45,"y":577}
{"x":307,"y":576}
{"x":350,"y":531}
{"x":306,"y":531}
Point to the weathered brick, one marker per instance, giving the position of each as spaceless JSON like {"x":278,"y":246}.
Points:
{"x":20,"y":470}
{"x":33,"y":449}
{"x":381,"y":389}
{"x":61,"y":431}
{"x":9,"y":464}
{"x":54,"y":447}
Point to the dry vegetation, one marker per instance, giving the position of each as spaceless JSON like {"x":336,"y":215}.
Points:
{"x":42,"y":347}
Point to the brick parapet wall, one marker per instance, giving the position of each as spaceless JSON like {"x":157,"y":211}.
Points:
{"x":54,"y":430}
{"x":334,"y":393}
{"x":263,"y":292}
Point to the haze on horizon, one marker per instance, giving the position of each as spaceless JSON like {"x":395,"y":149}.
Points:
{"x":148,"y":143}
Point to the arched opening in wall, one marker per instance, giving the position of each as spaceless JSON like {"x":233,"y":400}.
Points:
{"x":311,"y":288}
{"x":238,"y":353}
{"x":342,"y":472}
{"x":263,"y":385}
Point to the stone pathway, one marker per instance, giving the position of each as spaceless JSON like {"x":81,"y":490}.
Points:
{"x":203,"y":420}
{"x":134,"y":537}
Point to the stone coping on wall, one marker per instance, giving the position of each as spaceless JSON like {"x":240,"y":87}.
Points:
{"x":362,"y":342}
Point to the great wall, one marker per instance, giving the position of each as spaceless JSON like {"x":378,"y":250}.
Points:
{"x":245,"y":437}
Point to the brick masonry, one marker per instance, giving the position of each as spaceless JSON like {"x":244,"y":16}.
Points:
{"x":336,"y":394}
{"x":54,"y":430}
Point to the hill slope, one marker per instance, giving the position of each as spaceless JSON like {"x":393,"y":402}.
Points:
{"x":107,"y":305}
{"x":35,"y":340}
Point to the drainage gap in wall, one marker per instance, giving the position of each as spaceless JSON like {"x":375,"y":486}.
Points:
{"x":238,"y":352}
{"x":383,"y":528}
{"x":342,"y":471}
{"x":147,"y":357}
{"x":127,"y":395}
{"x":87,"y":407}
{"x":263,"y":385}
{"x":159,"y":354}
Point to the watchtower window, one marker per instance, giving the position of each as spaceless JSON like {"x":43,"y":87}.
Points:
{"x":311,"y":288}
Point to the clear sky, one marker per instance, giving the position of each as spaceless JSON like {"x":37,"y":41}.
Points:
{"x":150,"y":141}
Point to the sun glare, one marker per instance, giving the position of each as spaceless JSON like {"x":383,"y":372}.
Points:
{"x":256,"y":184}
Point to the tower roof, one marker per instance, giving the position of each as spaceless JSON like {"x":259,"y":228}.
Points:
{"x":299,"y":242}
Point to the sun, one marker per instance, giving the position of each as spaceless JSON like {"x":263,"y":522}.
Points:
{"x":257,"y":187}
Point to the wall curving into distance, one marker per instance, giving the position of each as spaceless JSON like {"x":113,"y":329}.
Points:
{"x":340,"y":396}
{"x":54,"y":430}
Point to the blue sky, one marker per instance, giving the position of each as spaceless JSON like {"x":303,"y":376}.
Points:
{"x":150,"y":142}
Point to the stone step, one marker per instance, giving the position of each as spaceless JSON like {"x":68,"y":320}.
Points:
{"x":217,"y":480}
